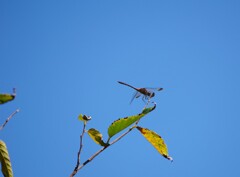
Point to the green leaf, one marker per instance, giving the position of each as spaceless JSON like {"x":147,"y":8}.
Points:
{"x":4,"y":98}
{"x":5,"y":160}
{"x":84,"y":118}
{"x":123,"y":123}
{"x":156,"y":141}
{"x":96,"y":136}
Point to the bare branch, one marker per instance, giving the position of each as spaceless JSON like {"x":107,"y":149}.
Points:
{"x":3,"y":125}
{"x":80,"y":150}
{"x":77,"y":168}
{"x":101,"y":150}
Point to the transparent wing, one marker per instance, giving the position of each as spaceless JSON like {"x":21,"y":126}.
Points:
{"x":136,"y":95}
{"x":154,"y":89}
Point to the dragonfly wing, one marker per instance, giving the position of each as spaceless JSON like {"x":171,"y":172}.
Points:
{"x":136,"y":95}
{"x":154,"y":89}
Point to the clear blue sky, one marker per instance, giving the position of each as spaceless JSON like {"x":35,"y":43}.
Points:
{"x":65,"y":58}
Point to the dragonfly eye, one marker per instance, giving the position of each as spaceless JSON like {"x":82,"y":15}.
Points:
{"x":152,"y":94}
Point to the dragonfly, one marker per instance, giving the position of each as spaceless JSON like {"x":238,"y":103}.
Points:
{"x":147,"y":93}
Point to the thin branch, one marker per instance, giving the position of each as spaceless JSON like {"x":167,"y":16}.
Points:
{"x":3,"y":125}
{"x":101,"y":150}
{"x":77,"y":168}
{"x":80,"y":150}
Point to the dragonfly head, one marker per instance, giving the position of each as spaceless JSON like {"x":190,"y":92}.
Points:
{"x":152,"y":94}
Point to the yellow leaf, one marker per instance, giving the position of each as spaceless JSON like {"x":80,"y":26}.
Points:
{"x":84,"y":118}
{"x":5,"y":160}
{"x":7,"y":97}
{"x":96,"y":136}
{"x":156,"y":141}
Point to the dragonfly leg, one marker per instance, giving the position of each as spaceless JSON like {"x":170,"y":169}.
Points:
{"x":144,"y":98}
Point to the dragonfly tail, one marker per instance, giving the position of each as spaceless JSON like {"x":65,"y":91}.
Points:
{"x":123,"y":83}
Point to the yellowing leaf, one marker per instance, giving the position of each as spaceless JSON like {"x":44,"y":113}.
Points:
{"x":96,"y":136}
{"x":156,"y":141}
{"x":84,"y":117}
{"x":5,"y":160}
{"x":123,"y":123}
{"x":7,"y":97}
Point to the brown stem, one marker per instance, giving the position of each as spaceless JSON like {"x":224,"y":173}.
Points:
{"x":3,"y":125}
{"x":79,"y":152}
{"x":101,"y":150}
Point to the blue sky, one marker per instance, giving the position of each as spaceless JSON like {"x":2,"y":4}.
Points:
{"x":65,"y":58}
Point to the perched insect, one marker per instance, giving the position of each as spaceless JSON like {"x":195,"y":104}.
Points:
{"x":147,"y":93}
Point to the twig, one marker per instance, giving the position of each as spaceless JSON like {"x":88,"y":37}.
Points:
{"x":79,"y":152}
{"x":77,"y":168}
{"x":3,"y":125}
{"x":101,"y":150}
